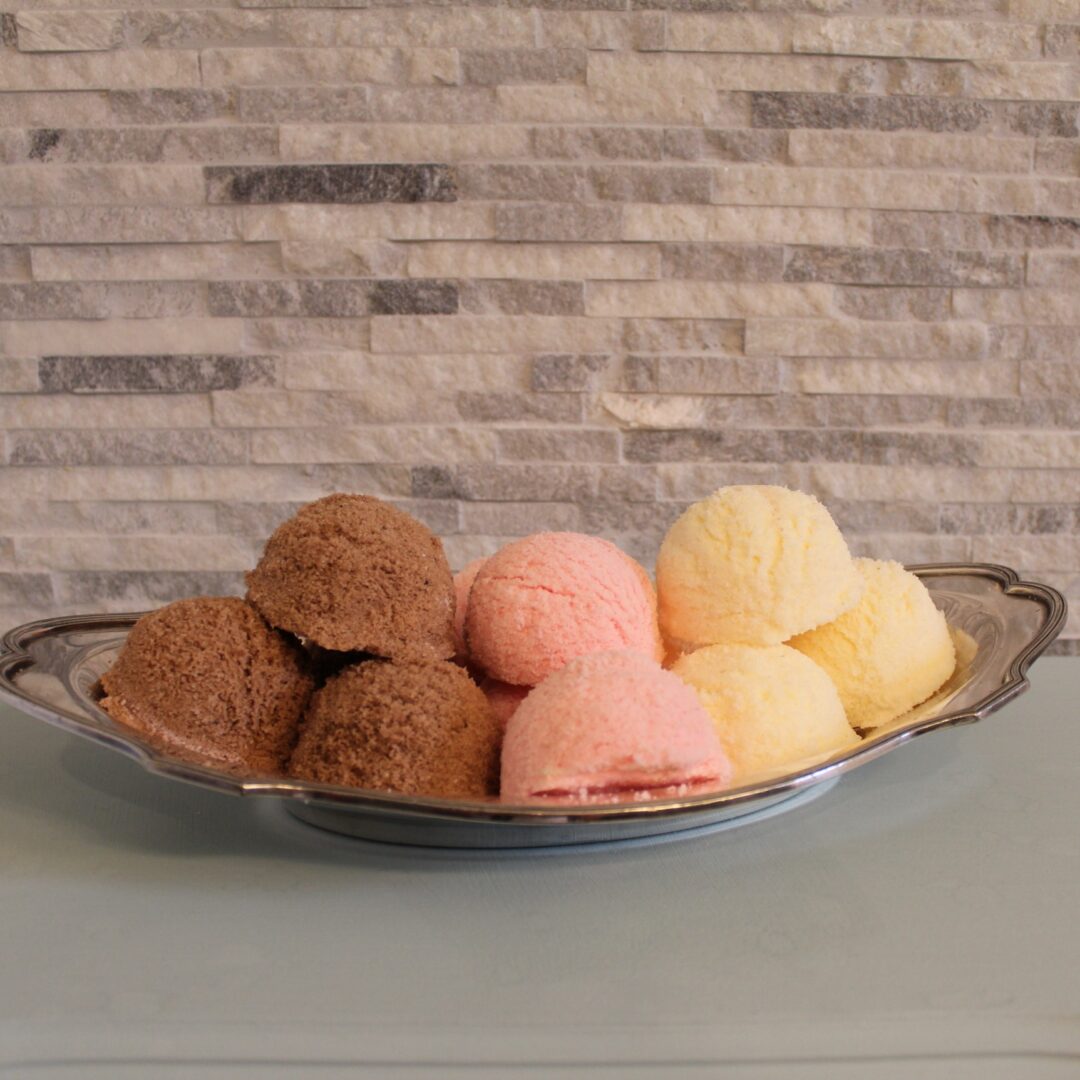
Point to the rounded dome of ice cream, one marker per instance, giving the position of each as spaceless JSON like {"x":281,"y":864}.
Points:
{"x":889,"y":652}
{"x":351,"y":573}
{"x":542,"y":601}
{"x":207,"y":680}
{"x":753,"y":564}
{"x":771,"y":707}
{"x":416,"y":727}
{"x":610,"y":727}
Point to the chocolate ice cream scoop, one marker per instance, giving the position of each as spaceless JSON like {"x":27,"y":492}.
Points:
{"x":207,"y":680}
{"x":351,"y":573}
{"x":417,"y":728}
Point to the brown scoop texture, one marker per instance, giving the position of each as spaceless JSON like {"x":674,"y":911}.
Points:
{"x":352,"y":573}
{"x":207,"y":680}
{"x":417,"y":728}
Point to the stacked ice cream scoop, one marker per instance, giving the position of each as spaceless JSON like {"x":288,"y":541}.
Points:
{"x":537,"y":674}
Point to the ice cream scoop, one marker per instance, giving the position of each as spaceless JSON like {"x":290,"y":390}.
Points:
{"x":772,"y":708}
{"x":207,"y":680}
{"x":415,"y":727}
{"x":889,"y":652}
{"x":610,"y":727}
{"x":542,"y":601}
{"x":463,"y":581}
{"x":351,"y":573}
{"x":755,"y":565}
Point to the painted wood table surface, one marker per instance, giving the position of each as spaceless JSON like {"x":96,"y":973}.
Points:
{"x":918,"y":919}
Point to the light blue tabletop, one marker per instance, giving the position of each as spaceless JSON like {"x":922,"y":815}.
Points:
{"x":919,"y":919}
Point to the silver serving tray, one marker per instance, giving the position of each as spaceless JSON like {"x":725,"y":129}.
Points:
{"x":1001,"y":624}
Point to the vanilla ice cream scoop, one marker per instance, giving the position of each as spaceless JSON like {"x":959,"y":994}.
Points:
{"x":773,"y":708}
{"x":889,"y":652}
{"x":752,"y":564}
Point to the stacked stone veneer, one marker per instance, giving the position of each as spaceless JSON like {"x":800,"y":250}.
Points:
{"x":522,"y":266}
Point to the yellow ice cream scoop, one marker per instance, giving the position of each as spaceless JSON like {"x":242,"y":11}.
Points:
{"x":755,"y":564}
{"x":889,"y":652}
{"x":773,"y":708}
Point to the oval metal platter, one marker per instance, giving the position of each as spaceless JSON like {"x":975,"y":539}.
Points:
{"x":50,"y":668}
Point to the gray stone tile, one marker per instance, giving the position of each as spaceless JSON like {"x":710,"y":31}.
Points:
{"x":1055,"y":119}
{"x":202,"y":28}
{"x":533,"y":444}
{"x":180,"y":374}
{"x":723,"y":262}
{"x":586,"y":143}
{"x":1027,"y":413}
{"x":552,"y":183}
{"x":555,"y":482}
{"x":199,"y":447}
{"x":993,"y":518}
{"x":569,"y":372}
{"x":172,"y":144}
{"x":418,"y":297}
{"x":649,"y":183}
{"x":683,"y":335}
{"x":735,"y":446}
{"x":894,"y":304}
{"x":170,"y":106}
{"x":101,"y":300}
{"x":488,"y":406}
{"x":9,"y":33}
{"x":1062,"y":41}
{"x":294,"y":104}
{"x":52,"y":517}
{"x":500,"y":67}
{"x":918,"y":448}
{"x":519,"y":518}
{"x":145,"y":588}
{"x":1060,"y":344}
{"x":881,"y":410}
{"x":874,"y":112}
{"x":24,"y":588}
{"x":329,"y":183}
{"x":903,"y":266}
{"x":873,"y":517}
{"x":721,"y":144}
{"x":699,"y":375}
{"x":1064,"y":647}
{"x":333,"y":298}
{"x":432,"y":482}
{"x":520,"y":297}
{"x":540,"y":221}
{"x":1032,"y":231}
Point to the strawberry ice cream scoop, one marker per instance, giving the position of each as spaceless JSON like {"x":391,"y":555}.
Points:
{"x":542,"y":601}
{"x":611,"y":727}
{"x":463,"y":581}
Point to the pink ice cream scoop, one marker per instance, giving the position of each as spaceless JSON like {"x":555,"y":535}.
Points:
{"x":463,"y":581}
{"x":504,"y":698}
{"x":611,"y":727}
{"x":541,"y":601}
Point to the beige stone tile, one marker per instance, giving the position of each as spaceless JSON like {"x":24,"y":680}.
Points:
{"x":902,"y":150}
{"x":74,"y":185}
{"x":934,"y":39}
{"x":126,"y":70}
{"x":535,"y":261}
{"x":65,"y":412}
{"x":154,"y":262}
{"x":112,"y":336}
{"x":341,"y":224}
{"x":747,"y":224}
{"x":403,"y":142}
{"x":492,"y":333}
{"x":987,"y":378}
{"x":407,"y":445}
{"x":706,"y":299}
{"x":132,"y":552}
{"x":824,"y":338}
{"x":766,"y":185}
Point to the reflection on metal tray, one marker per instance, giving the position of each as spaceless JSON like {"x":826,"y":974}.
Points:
{"x":1001,"y":624}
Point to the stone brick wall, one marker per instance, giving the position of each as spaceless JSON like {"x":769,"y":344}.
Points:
{"x":532,"y":265}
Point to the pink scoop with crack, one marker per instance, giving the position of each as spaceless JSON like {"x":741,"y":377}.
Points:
{"x":544,"y":600}
{"x":611,"y":727}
